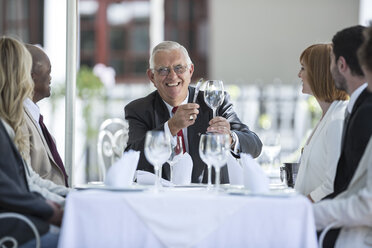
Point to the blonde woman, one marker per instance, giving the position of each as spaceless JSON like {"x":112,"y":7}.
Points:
{"x":15,"y":86}
{"x":322,"y":149}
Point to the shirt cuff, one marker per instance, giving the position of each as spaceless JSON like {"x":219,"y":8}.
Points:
{"x":317,"y":194}
{"x":236,"y":148}
{"x":168,"y":132}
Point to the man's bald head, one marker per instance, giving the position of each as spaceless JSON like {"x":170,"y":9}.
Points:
{"x":40,"y":73}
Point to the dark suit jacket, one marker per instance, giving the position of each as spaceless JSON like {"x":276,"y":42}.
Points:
{"x":15,"y":195}
{"x":357,"y":134}
{"x":150,"y":113}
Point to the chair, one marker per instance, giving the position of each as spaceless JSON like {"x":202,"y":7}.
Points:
{"x":112,"y":140}
{"x":324,"y":232}
{"x":12,"y":240}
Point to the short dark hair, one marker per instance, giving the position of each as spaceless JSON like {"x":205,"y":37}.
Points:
{"x":365,"y":51}
{"x":346,"y":43}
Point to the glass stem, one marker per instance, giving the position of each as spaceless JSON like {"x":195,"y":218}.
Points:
{"x":171,"y":172}
{"x":214,"y":112}
{"x":157,"y":180}
{"x":209,"y":177}
{"x":217,"y":178}
{"x":159,"y":176}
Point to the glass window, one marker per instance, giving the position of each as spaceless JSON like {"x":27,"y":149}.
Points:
{"x":140,"y":39}
{"x":117,"y":39}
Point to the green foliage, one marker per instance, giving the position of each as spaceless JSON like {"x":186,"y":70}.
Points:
{"x":315,"y":110}
{"x":264,"y":121}
{"x":88,"y":85}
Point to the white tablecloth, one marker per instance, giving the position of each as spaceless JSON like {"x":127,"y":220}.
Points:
{"x":180,"y":218}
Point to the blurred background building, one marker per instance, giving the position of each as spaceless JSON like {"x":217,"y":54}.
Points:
{"x":252,"y":45}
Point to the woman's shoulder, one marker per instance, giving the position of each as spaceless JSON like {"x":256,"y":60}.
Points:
{"x":338,"y":109}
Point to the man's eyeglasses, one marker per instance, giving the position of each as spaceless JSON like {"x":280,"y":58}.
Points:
{"x":178,"y":69}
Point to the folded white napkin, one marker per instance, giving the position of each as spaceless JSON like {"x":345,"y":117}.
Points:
{"x":235,"y":171}
{"x":255,"y":179}
{"x":182,"y":170}
{"x":148,"y":178}
{"x":121,"y":173}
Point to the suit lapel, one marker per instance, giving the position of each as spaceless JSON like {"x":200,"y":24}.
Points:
{"x":161,"y":113}
{"x":45,"y":144}
{"x":357,"y":104}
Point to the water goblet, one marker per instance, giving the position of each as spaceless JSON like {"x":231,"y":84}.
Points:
{"x":204,"y":157}
{"x":157,"y":151}
{"x":271,"y":147}
{"x":214,"y":94}
{"x":218,"y":147}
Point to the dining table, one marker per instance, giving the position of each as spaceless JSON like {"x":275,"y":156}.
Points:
{"x":186,"y":216}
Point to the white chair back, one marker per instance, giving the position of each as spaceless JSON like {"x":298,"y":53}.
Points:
{"x":112,"y":140}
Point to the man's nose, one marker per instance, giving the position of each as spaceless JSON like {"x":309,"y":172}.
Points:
{"x":172,"y":73}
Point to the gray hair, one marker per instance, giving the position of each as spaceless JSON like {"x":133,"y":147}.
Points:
{"x":168,"y":46}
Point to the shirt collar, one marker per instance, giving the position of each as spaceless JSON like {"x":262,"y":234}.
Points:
{"x":354,"y":96}
{"x":32,"y":108}
{"x":169,"y":107}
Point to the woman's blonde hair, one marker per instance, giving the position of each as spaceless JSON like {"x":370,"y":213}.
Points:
{"x":317,"y":60}
{"x":15,"y":86}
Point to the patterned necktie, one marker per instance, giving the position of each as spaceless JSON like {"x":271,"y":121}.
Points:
{"x":53,"y":148}
{"x":346,"y":122}
{"x":180,"y":133}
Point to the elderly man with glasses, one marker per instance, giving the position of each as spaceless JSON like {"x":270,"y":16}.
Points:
{"x":170,"y":108}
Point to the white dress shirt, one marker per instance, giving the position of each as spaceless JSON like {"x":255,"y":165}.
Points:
{"x":184,"y":130}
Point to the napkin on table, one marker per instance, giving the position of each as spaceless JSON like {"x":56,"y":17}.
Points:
{"x":235,"y":171}
{"x":121,"y":173}
{"x":148,"y":178}
{"x":255,"y":179}
{"x":182,"y":169}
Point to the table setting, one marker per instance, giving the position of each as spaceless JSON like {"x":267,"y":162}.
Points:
{"x":140,"y":209}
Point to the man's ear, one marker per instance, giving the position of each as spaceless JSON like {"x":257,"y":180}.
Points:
{"x":341,"y":64}
{"x":191,"y":70}
{"x":150,"y":75}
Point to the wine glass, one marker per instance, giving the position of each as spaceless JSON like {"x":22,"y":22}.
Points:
{"x":157,"y":151}
{"x":176,"y":150}
{"x":204,"y":157}
{"x":271,"y":147}
{"x":218,"y":146}
{"x":214,"y":94}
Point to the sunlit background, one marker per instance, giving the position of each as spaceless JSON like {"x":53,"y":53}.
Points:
{"x":252,"y":45}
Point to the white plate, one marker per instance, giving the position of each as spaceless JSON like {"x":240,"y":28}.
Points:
{"x":132,"y":188}
{"x":275,"y":193}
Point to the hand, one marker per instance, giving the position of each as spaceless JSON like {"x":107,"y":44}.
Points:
{"x":219,"y":125}
{"x":181,"y":118}
{"x":309,"y":197}
{"x":56,"y":218}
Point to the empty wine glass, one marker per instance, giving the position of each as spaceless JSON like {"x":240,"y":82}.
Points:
{"x":157,"y":151}
{"x":204,"y":157}
{"x":218,"y":146}
{"x":176,"y":150}
{"x":214,"y":94}
{"x":271,"y":147}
